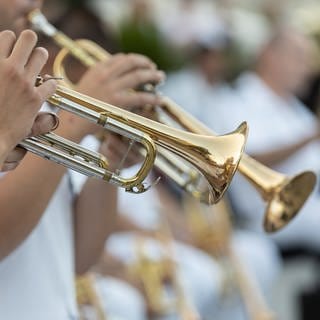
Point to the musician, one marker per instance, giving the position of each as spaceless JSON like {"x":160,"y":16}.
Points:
{"x":284,"y":133}
{"x":19,"y":105}
{"x":144,"y":216}
{"x":203,"y":91}
{"x":46,"y":236}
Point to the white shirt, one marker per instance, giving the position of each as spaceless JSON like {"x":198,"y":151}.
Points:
{"x":37,"y":278}
{"x":212,"y":104}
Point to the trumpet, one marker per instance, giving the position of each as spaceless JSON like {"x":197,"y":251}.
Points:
{"x":284,"y":195}
{"x":156,"y":274}
{"x":88,"y":298}
{"x":212,"y":231}
{"x":217,"y":171}
{"x":197,"y":150}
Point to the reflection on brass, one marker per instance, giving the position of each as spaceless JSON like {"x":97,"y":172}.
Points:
{"x":160,"y":275}
{"x":215,"y":158}
{"x":284,"y":195}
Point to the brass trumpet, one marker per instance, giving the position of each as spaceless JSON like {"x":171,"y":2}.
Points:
{"x":284,"y":195}
{"x":88,"y":298}
{"x":212,"y":231}
{"x":217,"y":171}
{"x":156,"y":274}
{"x":197,"y":150}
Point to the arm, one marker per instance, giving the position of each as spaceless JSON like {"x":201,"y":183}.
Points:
{"x":20,"y":64}
{"x":96,"y":206}
{"x":172,"y":212}
{"x":95,"y":216}
{"x":32,"y":183}
{"x":276,"y":156}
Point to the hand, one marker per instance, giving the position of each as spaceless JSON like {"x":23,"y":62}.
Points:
{"x":20,"y":100}
{"x":114,"y":148}
{"x":113,"y":81}
{"x":44,"y":122}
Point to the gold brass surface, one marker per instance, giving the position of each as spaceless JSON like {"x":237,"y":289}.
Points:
{"x":216,"y":158}
{"x":284,"y":195}
{"x":88,"y":298}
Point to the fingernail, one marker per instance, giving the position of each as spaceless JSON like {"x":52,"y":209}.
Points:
{"x":56,"y":121}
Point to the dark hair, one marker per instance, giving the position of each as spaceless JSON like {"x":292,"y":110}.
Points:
{"x":80,"y":22}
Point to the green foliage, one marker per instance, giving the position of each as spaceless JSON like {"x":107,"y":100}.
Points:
{"x":145,"y":38}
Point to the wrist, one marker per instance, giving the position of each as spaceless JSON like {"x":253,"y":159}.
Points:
{"x":5,"y":147}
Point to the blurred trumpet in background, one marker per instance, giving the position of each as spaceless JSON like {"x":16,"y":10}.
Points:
{"x":212,"y":232}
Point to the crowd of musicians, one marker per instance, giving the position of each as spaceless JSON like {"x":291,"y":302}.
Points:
{"x":77,"y":247}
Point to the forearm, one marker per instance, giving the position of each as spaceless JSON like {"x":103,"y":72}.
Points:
{"x":276,"y":156}
{"x":125,"y":224}
{"x":95,"y":218}
{"x":26,"y":192}
{"x":3,"y":153}
{"x":173,"y":215}
{"x":24,"y":196}
{"x":5,"y":148}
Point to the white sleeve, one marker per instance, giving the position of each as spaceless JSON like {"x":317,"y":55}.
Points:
{"x":47,"y":107}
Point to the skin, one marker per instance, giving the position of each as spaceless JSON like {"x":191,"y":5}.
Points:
{"x":20,"y":62}
{"x":43,"y":123}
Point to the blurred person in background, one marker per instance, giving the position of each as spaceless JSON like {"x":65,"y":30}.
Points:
{"x":141,"y":220}
{"x":202,"y":90}
{"x":265,"y":97}
{"x":199,"y":271}
{"x":182,"y":25}
{"x":139,"y":32}
{"x":285,"y":136}
{"x":202,"y":85}
{"x":199,"y":276}
{"x":284,"y":133}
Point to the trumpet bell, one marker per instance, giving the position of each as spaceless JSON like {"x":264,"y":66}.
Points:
{"x":228,"y":150}
{"x":283,"y":195}
{"x":287,"y":199}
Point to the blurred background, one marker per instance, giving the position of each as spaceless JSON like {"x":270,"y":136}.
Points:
{"x":210,"y":50}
